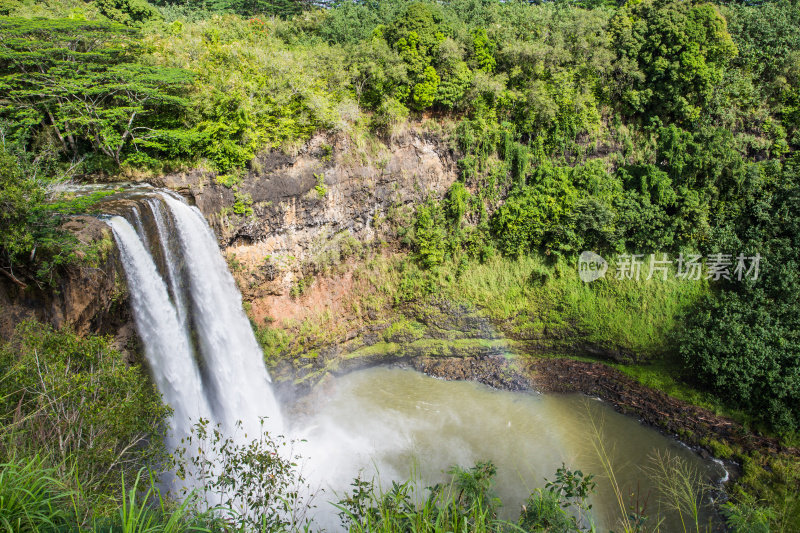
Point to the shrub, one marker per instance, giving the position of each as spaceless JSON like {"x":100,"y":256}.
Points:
{"x":253,"y":479}
{"x":543,"y":512}
{"x":535,"y":216}
{"x":75,"y":401}
{"x":429,"y":234}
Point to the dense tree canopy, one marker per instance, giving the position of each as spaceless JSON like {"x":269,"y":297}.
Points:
{"x":80,"y":81}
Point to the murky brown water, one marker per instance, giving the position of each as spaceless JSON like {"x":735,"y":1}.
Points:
{"x":392,"y":421}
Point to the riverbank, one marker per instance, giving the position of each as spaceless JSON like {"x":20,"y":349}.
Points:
{"x":494,"y":323}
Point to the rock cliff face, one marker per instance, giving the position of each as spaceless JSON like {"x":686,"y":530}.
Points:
{"x":306,"y":209}
{"x":90,"y":297}
{"x":332,"y":195}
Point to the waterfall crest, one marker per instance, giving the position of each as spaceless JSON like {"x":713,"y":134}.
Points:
{"x":198,"y":341}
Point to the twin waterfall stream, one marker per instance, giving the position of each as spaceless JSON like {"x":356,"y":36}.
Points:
{"x":198,"y":341}
{"x":389,"y":422}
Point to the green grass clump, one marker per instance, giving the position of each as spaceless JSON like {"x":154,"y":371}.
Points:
{"x":528,"y":293}
{"x":31,"y":497}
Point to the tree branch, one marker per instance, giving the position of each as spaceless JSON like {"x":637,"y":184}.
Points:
{"x":13,"y":278}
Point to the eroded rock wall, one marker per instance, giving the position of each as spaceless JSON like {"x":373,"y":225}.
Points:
{"x":331,"y":196}
{"x":89,"y":296}
{"x":309,"y":208}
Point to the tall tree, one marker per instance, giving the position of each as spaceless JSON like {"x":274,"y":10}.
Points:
{"x":81,"y":81}
{"x":671,"y":56}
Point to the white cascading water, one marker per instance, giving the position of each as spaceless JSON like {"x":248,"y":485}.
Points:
{"x":173,"y":264}
{"x":223,"y":379}
{"x":167,"y":346}
{"x":238,"y":385}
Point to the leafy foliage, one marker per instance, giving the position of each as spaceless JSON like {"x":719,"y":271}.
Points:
{"x":254,"y":479}
{"x":31,"y":497}
{"x":128,"y":12}
{"x":32,"y":244}
{"x":748,"y":350}
{"x":78,"y":81}
{"x":429,"y":234}
{"x":465,"y":502}
{"x":673,"y":53}
{"x":76,"y":401}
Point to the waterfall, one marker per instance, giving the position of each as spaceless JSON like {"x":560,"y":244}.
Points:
{"x":166,"y":344}
{"x":198,"y":341}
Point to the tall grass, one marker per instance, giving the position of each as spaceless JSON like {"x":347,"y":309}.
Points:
{"x":681,"y":488}
{"x":35,"y":499}
{"x":636,"y":316}
{"x":146,"y":510}
{"x":32,"y":499}
{"x":629,"y":522}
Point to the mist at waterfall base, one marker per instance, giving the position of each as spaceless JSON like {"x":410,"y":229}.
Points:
{"x":395,"y":424}
{"x":379,"y":423}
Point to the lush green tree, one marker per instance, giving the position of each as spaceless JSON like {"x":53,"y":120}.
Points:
{"x":376,"y":72}
{"x":535,"y":217}
{"x":32,"y":244}
{"x":455,"y":75}
{"x":483,"y":50}
{"x":79,"y":79}
{"x":20,"y":217}
{"x":790,"y":101}
{"x":646,"y":209}
{"x":456,"y":203}
{"x":425,"y":90}
{"x":251,"y":93}
{"x":423,"y":21}
{"x":670,"y":56}
{"x":743,"y":341}
{"x":245,"y":8}
{"x":555,"y":77}
{"x":76,"y":401}
{"x":766,"y":36}
{"x":128,"y":12}
{"x":356,"y":21}
{"x":416,"y":35}
{"x":598,"y":225}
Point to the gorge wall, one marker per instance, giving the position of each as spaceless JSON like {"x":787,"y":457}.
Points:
{"x":306,"y":208}
{"x":89,"y":295}
{"x":333,"y":196}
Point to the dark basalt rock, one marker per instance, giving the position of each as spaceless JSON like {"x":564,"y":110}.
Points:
{"x":89,"y":296}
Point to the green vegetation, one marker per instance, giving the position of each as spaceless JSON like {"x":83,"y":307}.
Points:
{"x":648,"y":127}
{"x":34,"y":500}
{"x":32,"y":244}
{"x":48,"y":379}
{"x":81,"y":84}
{"x":467,"y":503}
{"x":749,"y":349}
{"x":320,"y":186}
